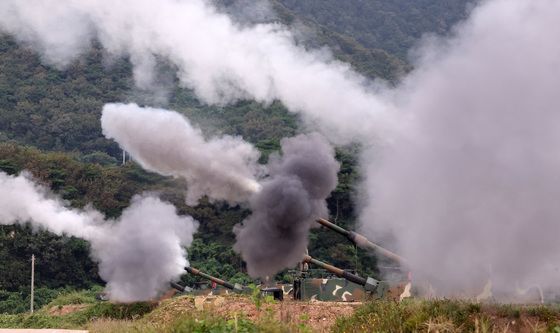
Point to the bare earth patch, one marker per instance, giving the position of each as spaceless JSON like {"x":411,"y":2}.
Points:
{"x":66,"y":309}
{"x":319,"y":316}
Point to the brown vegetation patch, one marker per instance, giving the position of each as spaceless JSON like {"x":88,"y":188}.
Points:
{"x":169,"y":310}
{"x":61,"y":310}
{"x":319,"y":316}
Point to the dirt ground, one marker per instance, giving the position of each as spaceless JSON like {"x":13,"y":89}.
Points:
{"x":319,"y":316}
{"x":66,"y":309}
{"x":523,"y":323}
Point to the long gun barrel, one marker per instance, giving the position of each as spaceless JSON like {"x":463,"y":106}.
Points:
{"x":228,"y":285}
{"x":180,"y":288}
{"x":368,"y":283}
{"x":362,"y":241}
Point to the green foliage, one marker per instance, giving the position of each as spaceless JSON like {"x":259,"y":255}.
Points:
{"x":391,"y":25}
{"x":369,"y":60}
{"x":60,"y":261}
{"x":211,"y":324}
{"x":53,"y":109}
{"x":302,"y":327}
{"x":447,"y":316}
{"x":215,"y":259}
{"x":99,"y":157}
{"x":544,"y":313}
{"x":60,"y":109}
{"x":117,"y":311}
{"x":98,"y":310}
{"x":122,"y":326}
{"x":108,"y":317}
{"x":508,"y":310}
{"x":205,"y":322}
{"x":258,"y":298}
{"x":109,"y":188}
{"x":12,"y":302}
{"x":76,"y":297}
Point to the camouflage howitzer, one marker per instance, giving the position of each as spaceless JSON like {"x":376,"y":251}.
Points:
{"x":346,"y":287}
{"x":362,"y":242}
{"x":274,"y":291}
{"x":235,"y":287}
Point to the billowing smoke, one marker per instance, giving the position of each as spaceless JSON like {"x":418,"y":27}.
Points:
{"x":466,"y":185}
{"x":162,"y":141}
{"x":219,"y":59}
{"x":144,"y":250}
{"x":275,"y":235}
{"x":138,"y":254}
{"x":470,"y":191}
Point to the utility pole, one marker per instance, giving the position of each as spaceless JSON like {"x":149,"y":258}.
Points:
{"x":123,"y":157}
{"x":32,"y":280}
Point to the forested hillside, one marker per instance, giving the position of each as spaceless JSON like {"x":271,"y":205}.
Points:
{"x":49,"y":125}
{"x":391,"y":25}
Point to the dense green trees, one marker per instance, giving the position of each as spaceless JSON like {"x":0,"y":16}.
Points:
{"x":391,"y":25}
{"x":54,"y":109}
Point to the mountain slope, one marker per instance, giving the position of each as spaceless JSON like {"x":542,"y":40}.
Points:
{"x":391,"y":25}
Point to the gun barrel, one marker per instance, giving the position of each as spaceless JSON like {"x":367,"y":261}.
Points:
{"x":221,"y":282}
{"x":337,"y":271}
{"x":362,"y":241}
{"x":180,"y":288}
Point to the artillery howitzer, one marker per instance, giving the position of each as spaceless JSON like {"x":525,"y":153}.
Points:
{"x":272,"y":291}
{"x":347,"y":287}
{"x":362,"y":241}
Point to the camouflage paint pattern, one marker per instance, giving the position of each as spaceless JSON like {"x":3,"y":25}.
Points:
{"x":342,"y":290}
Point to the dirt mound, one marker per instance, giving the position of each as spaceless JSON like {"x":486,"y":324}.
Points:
{"x":319,"y":316}
{"x":62,"y":310}
{"x":171,"y":309}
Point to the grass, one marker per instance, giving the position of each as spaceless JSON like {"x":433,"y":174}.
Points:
{"x":449,"y":316}
{"x":78,"y":319}
{"x":105,"y":317}
{"x":44,"y":318}
{"x":74,"y":297}
{"x":180,"y":315}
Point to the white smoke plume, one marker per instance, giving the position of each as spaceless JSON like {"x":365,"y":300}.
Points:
{"x":138,"y":254}
{"x":165,"y":142}
{"x":469,"y":191}
{"x":144,"y":250}
{"x":219,"y":59}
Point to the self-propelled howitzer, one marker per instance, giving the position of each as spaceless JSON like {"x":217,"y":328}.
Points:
{"x":357,"y":288}
{"x":362,"y":241}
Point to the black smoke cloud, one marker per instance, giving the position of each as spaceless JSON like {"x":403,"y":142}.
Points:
{"x":275,"y":235}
